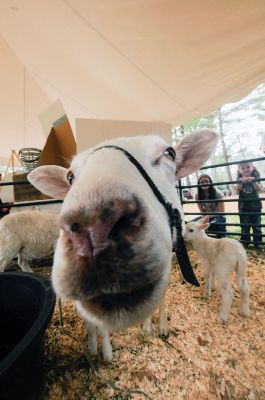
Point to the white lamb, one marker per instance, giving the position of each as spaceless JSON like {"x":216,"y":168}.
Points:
{"x":27,"y":235}
{"x":113,"y":256}
{"x":220,"y":257}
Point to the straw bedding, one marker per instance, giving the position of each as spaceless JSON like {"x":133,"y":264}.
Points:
{"x":200,"y":360}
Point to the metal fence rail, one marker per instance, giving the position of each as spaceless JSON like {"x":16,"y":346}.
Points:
{"x":25,"y":203}
{"x":231,"y":233}
{"x":180,"y":187}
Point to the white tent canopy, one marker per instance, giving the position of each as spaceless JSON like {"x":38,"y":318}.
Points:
{"x":149,"y":60}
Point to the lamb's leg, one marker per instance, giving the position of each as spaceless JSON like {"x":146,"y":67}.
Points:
{"x":243,"y":286}
{"x":92,"y":338}
{"x":3,"y":264}
{"x":163,"y":327}
{"x":208,"y":281}
{"x":6,"y":255}
{"x":23,"y":263}
{"x":227,"y":298}
{"x":147,"y":325}
{"x":162,"y":320}
{"x":106,"y":345}
{"x":213,"y":277}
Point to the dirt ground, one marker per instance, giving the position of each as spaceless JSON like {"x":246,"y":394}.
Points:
{"x":201,"y":359}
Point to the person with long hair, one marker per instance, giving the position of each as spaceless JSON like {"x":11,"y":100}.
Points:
{"x":206,"y":191}
{"x":249,"y":203}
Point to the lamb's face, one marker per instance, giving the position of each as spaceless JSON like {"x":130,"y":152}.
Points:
{"x":113,"y":255}
{"x":191,"y":231}
{"x":195,"y":231}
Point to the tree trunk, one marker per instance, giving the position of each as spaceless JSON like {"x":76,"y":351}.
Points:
{"x":226,"y":159}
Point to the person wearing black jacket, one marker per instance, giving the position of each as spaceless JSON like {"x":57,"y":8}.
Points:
{"x":249,"y":203}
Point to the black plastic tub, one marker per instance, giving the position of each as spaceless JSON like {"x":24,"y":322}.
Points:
{"x":26,"y":307}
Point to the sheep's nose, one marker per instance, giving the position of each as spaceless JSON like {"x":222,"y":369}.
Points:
{"x":91,"y":232}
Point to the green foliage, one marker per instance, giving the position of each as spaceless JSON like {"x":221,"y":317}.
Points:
{"x":240,"y":124}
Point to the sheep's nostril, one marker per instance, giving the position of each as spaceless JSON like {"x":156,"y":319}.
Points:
{"x":128,"y":222}
{"x":110,"y":224}
{"x":74,"y":227}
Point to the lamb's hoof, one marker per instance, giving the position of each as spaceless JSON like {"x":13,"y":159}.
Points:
{"x":222,"y":319}
{"x":93,"y":350}
{"x":164,"y":332}
{"x":148,"y":330}
{"x":244,"y":314}
{"x":147,"y":326}
{"x":163,"y":329}
{"x":108,"y":356}
{"x":164,"y":337}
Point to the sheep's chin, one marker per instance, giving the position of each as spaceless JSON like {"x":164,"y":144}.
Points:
{"x":118,"y":301}
{"x":108,"y":305}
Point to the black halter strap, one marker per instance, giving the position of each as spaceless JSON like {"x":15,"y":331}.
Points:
{"x":173,"y":215}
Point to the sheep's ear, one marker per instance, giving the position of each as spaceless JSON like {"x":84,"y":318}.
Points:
{"x":50,"y":180}
{"x":205,"y":219}
{"x":193,"y":150}
{"x":204,"y":226}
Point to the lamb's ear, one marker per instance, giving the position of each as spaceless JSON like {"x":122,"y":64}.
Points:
{"x":205,"y":219}
{"x":50,"y":180}
{"x":203,"y":226}
{"x":193,"y":150}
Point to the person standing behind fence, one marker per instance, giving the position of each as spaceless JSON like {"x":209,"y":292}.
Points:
{"x":249,"y":202}
{"x":209,"y":192}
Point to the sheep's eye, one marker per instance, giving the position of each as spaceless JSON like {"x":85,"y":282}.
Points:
{"x":70,"y":177}
{"x":170,"y":153}
{"x":191,"y":230}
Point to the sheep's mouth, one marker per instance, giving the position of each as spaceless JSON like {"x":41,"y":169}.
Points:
{"x":121,"y":301}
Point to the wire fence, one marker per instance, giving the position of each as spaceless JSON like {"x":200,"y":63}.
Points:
{"x":8,"y":206}
{"x":231,"y":227}
{"x":234,"y":225}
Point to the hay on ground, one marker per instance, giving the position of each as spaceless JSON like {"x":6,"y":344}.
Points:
{"x":200,"y":360}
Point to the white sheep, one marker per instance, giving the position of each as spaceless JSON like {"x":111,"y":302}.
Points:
{"x":221,"y":257}
{"x":27,"y":235}
{"x":113,"y":256}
